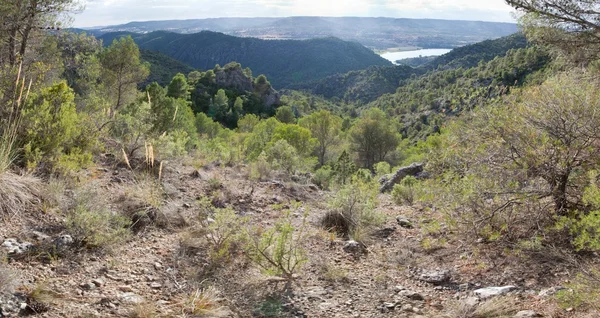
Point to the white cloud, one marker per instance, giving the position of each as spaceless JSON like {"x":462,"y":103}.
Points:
{"x":107,"y":12}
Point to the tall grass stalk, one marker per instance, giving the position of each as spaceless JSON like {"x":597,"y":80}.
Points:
{"x":10,"y":127}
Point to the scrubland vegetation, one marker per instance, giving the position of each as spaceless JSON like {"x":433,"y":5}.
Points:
{"x":236,"y":187}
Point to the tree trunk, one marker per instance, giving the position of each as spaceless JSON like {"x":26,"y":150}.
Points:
{"x":559,"y":194}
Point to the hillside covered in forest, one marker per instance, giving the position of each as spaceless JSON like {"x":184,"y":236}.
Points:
{"x":284,"y":62}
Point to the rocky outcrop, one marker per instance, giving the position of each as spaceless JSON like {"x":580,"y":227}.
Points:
{"x":233,"y":78}
{"x":388,"y":181}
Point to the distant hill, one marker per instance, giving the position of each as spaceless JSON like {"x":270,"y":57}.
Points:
{"x":361,"y":86}
{"x":162,"y":67}
{"x":284,"y":62}
{"x":364,"y":86}
{"x":470,"y":55}
{"x":379,"y":33}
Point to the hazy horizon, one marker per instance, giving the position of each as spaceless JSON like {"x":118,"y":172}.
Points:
{"x":283,"y":17}
{"x":115,"y":12}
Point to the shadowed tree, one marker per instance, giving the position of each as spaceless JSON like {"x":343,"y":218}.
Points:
{"x":373,"y":138}
{"x":326,"y":128}
{"x":122,"y":71}
{"x":22,"y":18}
{"x":572,"y":26}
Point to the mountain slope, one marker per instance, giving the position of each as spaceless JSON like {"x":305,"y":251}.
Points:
{"x":361,"y":86}
{"x":283,"y":61}
{"x":470,"y":55}
{"x":162,"y":67}
{"x":379,"y":33}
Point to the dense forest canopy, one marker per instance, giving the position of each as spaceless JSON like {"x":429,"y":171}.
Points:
{"x":285,"y":62}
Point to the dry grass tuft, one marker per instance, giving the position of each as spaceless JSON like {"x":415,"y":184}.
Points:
{"x":8,"y":280}
{"x":205,"y":303}
{"x":143,"y":310}
{"x":18,"y":193}
{"x":498,"y":307}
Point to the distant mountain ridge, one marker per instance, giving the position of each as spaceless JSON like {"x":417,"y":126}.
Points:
{"x":284,"y":62}
{"x":379,"y":33}
{"x":369,"y":84}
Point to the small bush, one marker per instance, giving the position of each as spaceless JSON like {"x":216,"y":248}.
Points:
{"x":261,"y":168}
{"x":51,"y":127}
{"x":404,"y":192}
{"x":93,"y":226}
{"x":583,"y":292}
{"x":222,"y":236}
{"x":283,"y":156}
{"x":278,"y":250}
{"x":171,"y":145}
{"x":352,"y":210}
{"x":382,"y":168}
{"x":322,"y":177}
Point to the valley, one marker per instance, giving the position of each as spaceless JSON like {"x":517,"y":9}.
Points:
{"x":282,"y":168}
{"x":377,"y":33}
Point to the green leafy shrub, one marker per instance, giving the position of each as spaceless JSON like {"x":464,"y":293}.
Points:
{"x":382,"y":168}
{"x":51,"y":128}
{"x":223,"y":234}
{"x":322,"y":177}
{"x":131,"y":127}
{"x":344,"y":168}
{"x":363,"y":175}
{"x":404,"y":192}
{"x":283,"y":156}
{"x":585,"y":227}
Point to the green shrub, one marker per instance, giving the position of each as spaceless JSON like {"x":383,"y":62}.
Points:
{"x":344,"y":168}
{"x":94,"y":226}
{"x":223,"y":235}
{"x":404,"y":192}
{"x":51,"y":128}
{"x":363,"y":175}
{"x":585,"y":227}
{"x":382,"y":168}
{"x":582,"y":293}
{"x":352,"y":210}
{"x":171,"y":145}
{"x":246,"y":124}
{"x":322,"y":177}
{"x":131,"y":127}
{"x":283,"y":156}
{"x":277,"y":250}
{"x":261,"y":168}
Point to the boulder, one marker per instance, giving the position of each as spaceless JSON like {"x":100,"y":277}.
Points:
{"x":388,"y":182}
{"x":527,"y":314}
{"x":437,"y":276}
{"x":353,"y":247}
{"x":488,"y":292}
{"x":404,"y":222}
{"x":131,"y":298}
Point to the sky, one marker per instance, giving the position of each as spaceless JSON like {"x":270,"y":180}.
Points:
{"x":112,"y":12}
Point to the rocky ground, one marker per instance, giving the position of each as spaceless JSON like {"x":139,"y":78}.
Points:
{"x":410,"y":267}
